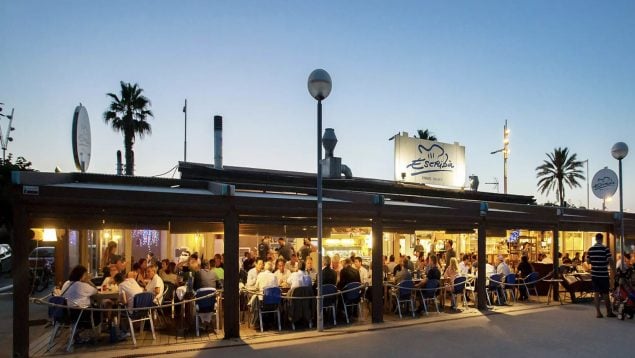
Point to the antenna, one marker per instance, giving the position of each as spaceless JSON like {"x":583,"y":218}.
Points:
{"x":495,"y":184}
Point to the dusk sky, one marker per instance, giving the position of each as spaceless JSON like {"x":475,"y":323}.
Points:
{"x":561,"y":72}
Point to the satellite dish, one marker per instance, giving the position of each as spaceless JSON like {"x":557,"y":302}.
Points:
{"x":81,"y":138}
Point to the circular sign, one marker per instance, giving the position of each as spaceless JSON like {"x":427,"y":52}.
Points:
{"x":604,"y":183}
{"x":81,"y":138}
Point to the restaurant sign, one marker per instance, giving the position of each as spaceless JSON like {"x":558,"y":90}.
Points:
{"x":604,"y":183}
{"x":427,"y":162}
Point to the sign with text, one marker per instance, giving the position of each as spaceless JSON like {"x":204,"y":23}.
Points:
{"x":604,"y":183}
{"x":427,"y":162}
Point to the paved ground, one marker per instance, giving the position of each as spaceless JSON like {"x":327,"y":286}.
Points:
{"x":534,"y":331}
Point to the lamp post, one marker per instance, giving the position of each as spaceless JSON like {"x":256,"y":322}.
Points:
{"x":505,"y":151}
{"x":619,"y":152}
{"x":587,"y":183}
{"x":319,"y":85}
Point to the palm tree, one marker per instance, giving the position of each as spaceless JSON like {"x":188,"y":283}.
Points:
{"x":557,"y":170}
{"x":427,"y":135}
{"x":129,"y":115}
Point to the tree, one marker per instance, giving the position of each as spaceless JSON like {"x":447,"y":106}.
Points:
{"x":129,"y":114}
{"x":427,"y":135}
{"x":559,"y":169}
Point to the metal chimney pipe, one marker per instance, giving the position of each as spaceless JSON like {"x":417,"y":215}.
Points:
{"x":218,"y":142}
{"x":119,"y":163}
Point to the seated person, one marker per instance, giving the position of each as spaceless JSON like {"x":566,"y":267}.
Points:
{"x":329,"y":276}
{"x":299,"y":278}
{"x":218,"y":267}
{"x":266,"y":278}
{"x":169,"y":274}
{"x":155,"y":285}
{"x":252,"y":275}
{"x":433,"y":272}
{"x":503,"y":267}
{"x":109,"y":281}
{"x":523,"y":270}
{"x":78,"y":289}
{"x":576,"y":260}
{"x":464,"y":266}
{"x":403,"y":274}
{"x":282,"y":274}
{"x":348,"y":274}
{"x":204,"y":278}
{"x":292,"y":265}
{"x":128,"y":288}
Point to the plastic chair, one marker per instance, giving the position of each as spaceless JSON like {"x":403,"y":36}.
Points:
{"x":429,"y":293}
{"x":59,"y":316}
{"x":143,"y":303}
{"x":270,"y":303}
{"x":458,"y":288}
{"x":403,"y":294}
{"x":494,"y":286}
{"x":352,"y":297}
{"x":205,"y":305}
{"x":530,"y":285}
{"x":330,"y":302}
{"x":510,"y":285}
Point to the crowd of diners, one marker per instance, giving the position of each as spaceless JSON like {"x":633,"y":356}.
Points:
{"x":288,"y":269}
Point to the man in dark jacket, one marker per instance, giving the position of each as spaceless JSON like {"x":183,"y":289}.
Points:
{"x":329,"y":276}
{"x":348,"y":274}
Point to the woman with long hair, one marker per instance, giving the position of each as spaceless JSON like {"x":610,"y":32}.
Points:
{"x":109,"y":256}
{"x":78,"y":289}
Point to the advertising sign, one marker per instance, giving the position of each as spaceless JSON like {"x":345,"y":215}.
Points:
{"x":604,"y":183}
{"x":427,"y":162}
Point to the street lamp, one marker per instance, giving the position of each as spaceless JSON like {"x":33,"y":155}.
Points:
{"x":505,"y":151}
{"x":619,"y":152}
{"x":319,"y":85}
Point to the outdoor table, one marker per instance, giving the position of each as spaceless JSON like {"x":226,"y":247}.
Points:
{"x":553,"y":282}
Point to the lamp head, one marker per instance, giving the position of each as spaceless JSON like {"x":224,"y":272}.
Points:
{"x":619,"y":150}
{"x":319,"y":84}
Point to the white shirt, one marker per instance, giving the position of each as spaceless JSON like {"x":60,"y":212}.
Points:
{"x":266,"y":279}
{"x":282,"y":276}
{"x":156,"y":282}
{"x":464,"y":268}
{"x":363,"y":275}
{"x":78,"y":293}
{"x":127,"y":290}
{"x":292,"y":267}
{"x":489,"y":270}
{"x":503,"y":269}
{"x":252,"y":276}
{"x":299,"y":279}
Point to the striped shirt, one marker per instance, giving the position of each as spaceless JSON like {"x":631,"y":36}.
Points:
{"x":599,"y":256}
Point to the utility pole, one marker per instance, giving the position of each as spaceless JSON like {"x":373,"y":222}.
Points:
{"x":185,"y":135}
{"x":6,"y":138}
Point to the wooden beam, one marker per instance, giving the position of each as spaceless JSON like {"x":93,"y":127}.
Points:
{"x":21,"y":288}
{"x":377,"y":290}
{"x":231,"y":294}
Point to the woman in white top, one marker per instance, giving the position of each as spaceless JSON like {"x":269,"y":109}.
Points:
{"x":78,"y":289}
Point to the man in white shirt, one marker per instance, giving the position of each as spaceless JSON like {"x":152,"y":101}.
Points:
{"x":252,"y":275}
{"x":299,"y":278}
{"x":464,"y":266}
{"x":502,"y":268}
{"x":363,"y":273}
{"x":282,"y":274}
{"x":155,"y":285}
{"x":128,"y":288}
{"x":266,"y":278}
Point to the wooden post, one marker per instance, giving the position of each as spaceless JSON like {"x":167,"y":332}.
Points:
{"x":377,"y":288}
{"x":482,"y":259}
{"x":231,"y":294}
{"x":20,"y":271}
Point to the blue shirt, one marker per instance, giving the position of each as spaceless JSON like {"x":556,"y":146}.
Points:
{"x":599,"y":256}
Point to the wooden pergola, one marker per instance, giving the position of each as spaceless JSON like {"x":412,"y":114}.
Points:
{"x":240,"y":199}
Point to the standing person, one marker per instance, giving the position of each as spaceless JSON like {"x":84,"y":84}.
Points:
{"x":599,"y":256}
{"x":306,"y":249}
{"x":523,"y":270}
{"x":109,"y":256}
{"x":449,"y":251}
{"x":418,"y":250}
{"x":284,"y":250}
{"x":263,"y":249}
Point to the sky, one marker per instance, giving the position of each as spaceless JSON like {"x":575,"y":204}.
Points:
{"x":560,"y":72}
